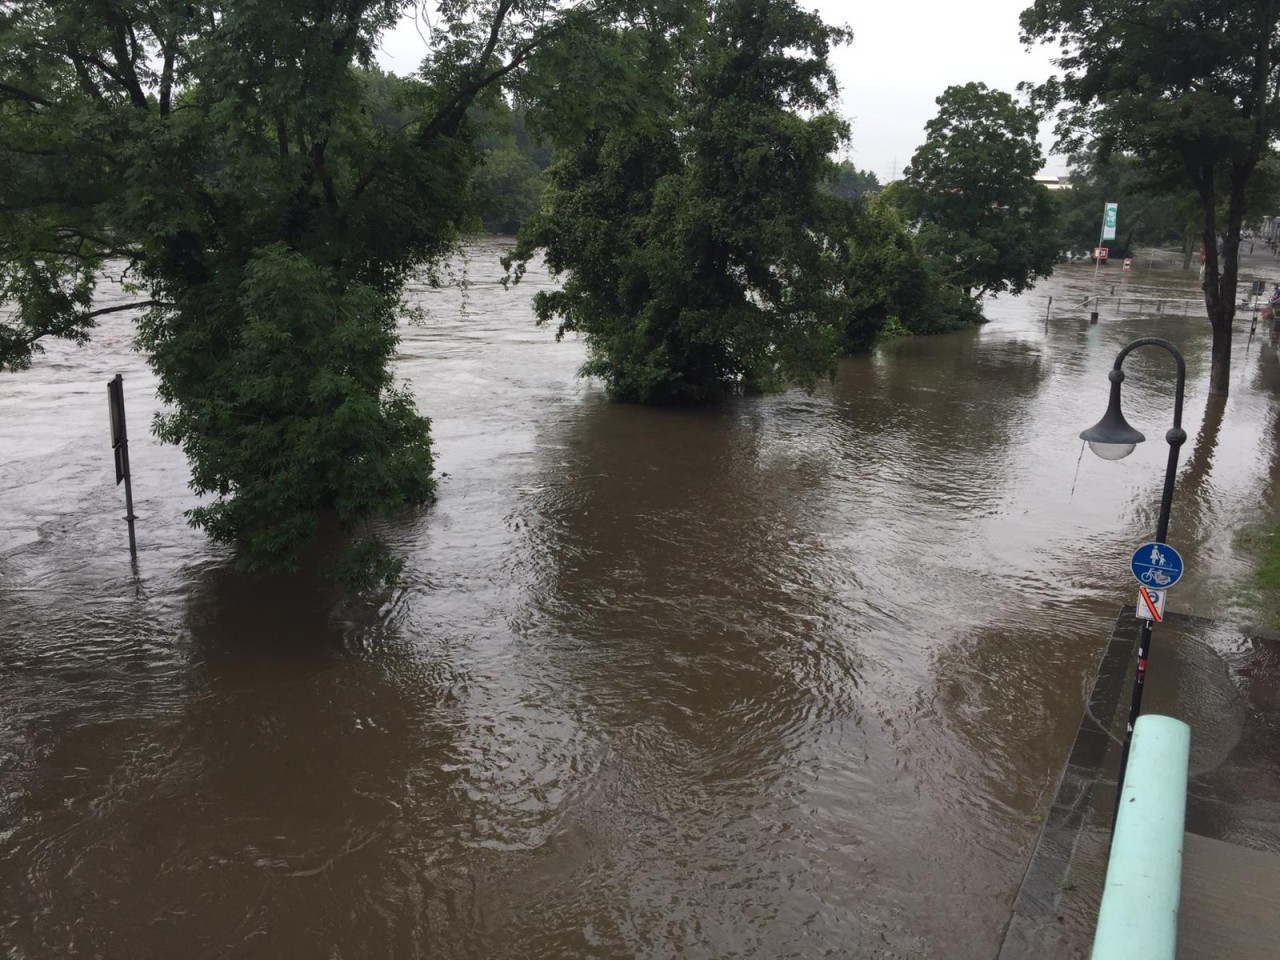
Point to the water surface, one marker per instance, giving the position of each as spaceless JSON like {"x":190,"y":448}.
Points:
{"x":793,"y":677}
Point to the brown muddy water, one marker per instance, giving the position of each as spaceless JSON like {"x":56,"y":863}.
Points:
{"x":789,"y":678}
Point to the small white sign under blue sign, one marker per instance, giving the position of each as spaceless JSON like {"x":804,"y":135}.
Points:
{"x":1156,"y":565}
{"x":1150,"y":604}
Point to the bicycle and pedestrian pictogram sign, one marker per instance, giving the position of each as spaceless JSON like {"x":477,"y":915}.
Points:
{"x":1156,"y":565}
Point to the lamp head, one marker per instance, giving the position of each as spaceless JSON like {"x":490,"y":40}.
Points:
{"x":1112,"y":438}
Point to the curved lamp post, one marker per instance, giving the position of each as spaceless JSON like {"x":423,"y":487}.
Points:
{"x":1113,"y":438}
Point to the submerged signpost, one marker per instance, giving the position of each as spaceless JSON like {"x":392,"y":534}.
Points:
{"x":120,"y":448}
{"x":1109,"y":214}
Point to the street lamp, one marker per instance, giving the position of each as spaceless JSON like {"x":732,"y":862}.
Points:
{"x":1112,"y":438}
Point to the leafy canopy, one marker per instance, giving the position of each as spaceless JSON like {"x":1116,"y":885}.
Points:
{"x":888,"y":285}
{"x":971,"y":188}
{"x":688,"y":239}
{"x":1188,"y":86}
{"x":271,"y":193}
{"x":1152,"y":211}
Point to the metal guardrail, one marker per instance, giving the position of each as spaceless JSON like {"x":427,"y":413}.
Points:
{"x":1139,"y":912}
{"x":1197,"y":303}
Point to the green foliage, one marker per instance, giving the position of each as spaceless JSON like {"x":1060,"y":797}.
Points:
{"x":692,"y":265}
{"x":889,"y":288}
{"x":1151,"y":213}
{"x":283,"y":399}
{"x":983,"y":220}
{"x":508,"y":182}
{"x":273,"y":193}
{"x":1183,"y":85}
{"x":848,"y":182}
{"x":49,"y":299}
{"x":508,"y":190}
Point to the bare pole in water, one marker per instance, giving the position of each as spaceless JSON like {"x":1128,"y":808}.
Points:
{"x":120,"y":445}
{"x":1097,"y":262}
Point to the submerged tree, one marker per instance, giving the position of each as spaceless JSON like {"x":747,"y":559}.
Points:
{"x":271,"y":195}
{"x":887,"y":285}
{"x":983,"y":219}
{"x":692,"y":265}
{"x":1183,"y":84}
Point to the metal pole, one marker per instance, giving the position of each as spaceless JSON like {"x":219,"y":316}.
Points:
{"x":128,"y":503}
{"x":1097,"y":262}
{"x":120,"y":444}
{"x":1176,"y":437}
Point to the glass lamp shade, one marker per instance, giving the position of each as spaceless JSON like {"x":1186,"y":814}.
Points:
{"x":1112,"y":438}
{"x":1112,"y":451}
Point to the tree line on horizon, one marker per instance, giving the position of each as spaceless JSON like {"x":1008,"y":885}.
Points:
{"x":272,"y":192}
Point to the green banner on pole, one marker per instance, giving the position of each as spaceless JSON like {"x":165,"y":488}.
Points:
{"x":1109,"y":221}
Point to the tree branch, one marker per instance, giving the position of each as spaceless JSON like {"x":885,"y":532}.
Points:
{"x":326,"y":179}
{"x":83,"y":75}
{"x":166,"y":77}
{"x":126,"y":306}
{"x":15,"y":94}
{"x":456,"y":108}
{"x":125,"y":62}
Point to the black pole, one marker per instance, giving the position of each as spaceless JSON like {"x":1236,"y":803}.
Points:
{"x":1176,"y":437}
{"x":120,"y":444}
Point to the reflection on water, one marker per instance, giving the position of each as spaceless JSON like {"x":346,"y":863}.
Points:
{"x":787,"y":678}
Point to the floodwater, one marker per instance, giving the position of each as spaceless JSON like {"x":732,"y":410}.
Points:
{"x":793,"y":677}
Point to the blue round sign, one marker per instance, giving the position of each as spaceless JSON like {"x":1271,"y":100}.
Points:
{"x":1156,"y":565}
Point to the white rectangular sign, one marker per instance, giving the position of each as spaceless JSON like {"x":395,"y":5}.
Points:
{"x":1151,"y":604}
{"x":1109,"y":221}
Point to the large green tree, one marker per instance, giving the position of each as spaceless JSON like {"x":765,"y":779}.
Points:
{"x":971,"y":188}
{"x":271,"y":196}
{"x":687,"y":241}
{"x":1190,"y":85}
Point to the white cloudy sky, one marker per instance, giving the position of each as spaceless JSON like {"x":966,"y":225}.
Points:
{"x":904,"y":54}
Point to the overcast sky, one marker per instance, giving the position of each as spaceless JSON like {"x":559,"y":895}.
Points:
{"x":904,"y":54}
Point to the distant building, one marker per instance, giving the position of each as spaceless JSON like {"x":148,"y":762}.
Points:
{"x":1055,"y":183}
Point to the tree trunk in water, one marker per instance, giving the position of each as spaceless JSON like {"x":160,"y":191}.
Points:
{"x":1220,"y":274}
{"x":1220,"y":360}
{"x":1188,"y":248}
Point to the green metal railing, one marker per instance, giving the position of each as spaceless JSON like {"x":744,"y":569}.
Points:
{"x":1138,"y":919}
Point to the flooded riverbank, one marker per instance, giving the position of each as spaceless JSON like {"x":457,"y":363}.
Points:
{"x":790,"y":677}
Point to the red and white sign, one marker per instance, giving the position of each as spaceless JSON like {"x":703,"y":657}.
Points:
{"x":1100,"y":253}
{"x":1128,"y":263}
{"x":1150,"y":604}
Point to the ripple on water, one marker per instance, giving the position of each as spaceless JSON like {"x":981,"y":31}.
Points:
{"x":785,"y":678}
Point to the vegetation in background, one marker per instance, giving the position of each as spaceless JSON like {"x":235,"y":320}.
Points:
{"x":983,"y":220}
{"x":847,"y":181}
{"x":1191,"y":89}
{"x":888,"y":286}
{"x":271,"y":194}
{"x":508,"y":182}
{"x":688,"y":248}
{"x":1151,"y":213}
